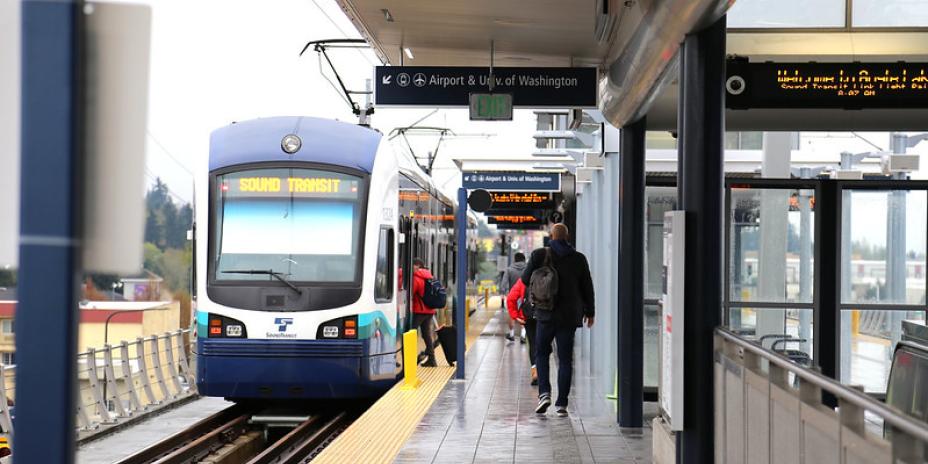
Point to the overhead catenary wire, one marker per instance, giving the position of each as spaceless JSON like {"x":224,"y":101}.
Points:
{"x":332,"y":21}
{"x":167,"y":152}
{"x":152,"y":177}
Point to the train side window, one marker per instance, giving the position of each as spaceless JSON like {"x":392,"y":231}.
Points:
{"x":383,"y":279}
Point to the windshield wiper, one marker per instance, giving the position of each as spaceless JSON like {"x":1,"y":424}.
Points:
{"x":278,"y":275}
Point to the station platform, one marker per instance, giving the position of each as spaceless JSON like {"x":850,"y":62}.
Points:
{"x":489,"y":416}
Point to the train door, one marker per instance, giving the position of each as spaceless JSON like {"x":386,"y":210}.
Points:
{"x":405,"y":276}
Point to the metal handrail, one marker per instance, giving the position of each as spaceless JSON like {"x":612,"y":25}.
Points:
{"x":898,"y":420}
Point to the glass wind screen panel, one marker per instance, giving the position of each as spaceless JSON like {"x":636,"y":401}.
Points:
{"x":788,"y":331}
{"x":652,"y":322}
{"x":868,"y":340}
{"x":771,"y":243}
{"x":787,"y":13}
{"x":300,"y":223}
{"x":890,"y":13}
{"x":658,"y":200}
{"x":883,"y":246}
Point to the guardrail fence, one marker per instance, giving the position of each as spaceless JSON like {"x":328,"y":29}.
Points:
{"x":120,"y":382}
{"x":770,"y":410}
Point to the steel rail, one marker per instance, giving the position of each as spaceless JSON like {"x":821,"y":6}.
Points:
{"x":170,"y":447}
{"x":295,"y":446}
{"x":896,"y":419}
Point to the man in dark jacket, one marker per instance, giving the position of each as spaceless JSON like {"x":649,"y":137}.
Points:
{"x":422,"y":314}
{"x":574,"y":305}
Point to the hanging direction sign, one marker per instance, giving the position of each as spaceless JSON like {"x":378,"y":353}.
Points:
{"x":512,"y":181}
{"x":453,"y":85}
{"x":826,"y":85}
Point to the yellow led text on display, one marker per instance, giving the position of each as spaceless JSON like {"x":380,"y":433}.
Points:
{"x":292,"y":184}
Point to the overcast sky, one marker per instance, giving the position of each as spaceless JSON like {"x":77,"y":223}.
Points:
{"x":214,"y":62}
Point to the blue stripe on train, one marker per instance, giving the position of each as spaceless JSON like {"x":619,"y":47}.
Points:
{"x":242,"y":369}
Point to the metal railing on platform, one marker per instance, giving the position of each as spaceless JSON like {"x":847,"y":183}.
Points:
{"x":769,"y":409}
{"x":118,"y":383}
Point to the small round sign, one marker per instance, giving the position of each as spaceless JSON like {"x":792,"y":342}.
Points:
{"x":556,"y":217}
{"x":480,"y":200}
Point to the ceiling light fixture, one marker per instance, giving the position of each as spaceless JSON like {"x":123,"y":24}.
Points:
{"x":408,"y":52}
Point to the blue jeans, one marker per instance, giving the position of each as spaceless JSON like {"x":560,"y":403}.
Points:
{"x":548,"y":332}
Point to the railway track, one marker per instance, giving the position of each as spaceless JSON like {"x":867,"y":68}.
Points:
{"x":238,"y":435}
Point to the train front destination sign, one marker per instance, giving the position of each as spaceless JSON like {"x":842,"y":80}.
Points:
{"x":496,"y":181}
{"x":826,"y":85}
{"x":450,"y":86}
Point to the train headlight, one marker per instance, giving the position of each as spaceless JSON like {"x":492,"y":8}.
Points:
{"x":291,"y":143}
{"x":233,"y":330}
{"x":343,"y":327}
{"x":330,"y":331}
{"x":221,"y":326}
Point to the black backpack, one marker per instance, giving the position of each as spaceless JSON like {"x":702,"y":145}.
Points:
{"x":543,"y":285}
{"x":435,"y":296}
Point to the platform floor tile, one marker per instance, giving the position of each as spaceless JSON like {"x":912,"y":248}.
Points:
{"x":490,"y":418}
{"x":378,"y":434}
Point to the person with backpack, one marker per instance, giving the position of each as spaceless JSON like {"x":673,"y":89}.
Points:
{"x":510,"y":276}
{"x":560,"y":290}
{"x":520,"y":310}
{"x":427,"y":296}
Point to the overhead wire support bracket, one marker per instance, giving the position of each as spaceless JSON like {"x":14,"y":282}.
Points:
{"x":320,"y":46}
{"x":441,"y":131}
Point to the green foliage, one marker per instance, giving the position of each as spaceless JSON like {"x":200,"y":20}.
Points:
{"x":166,"y":223}
{"x":167,"y":252}
{"x":7,"y":278}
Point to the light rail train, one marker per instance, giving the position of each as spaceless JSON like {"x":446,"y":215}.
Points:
{"x":304,"y":258}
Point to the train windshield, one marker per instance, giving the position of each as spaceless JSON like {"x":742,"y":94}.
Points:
{"x":301,"y":224}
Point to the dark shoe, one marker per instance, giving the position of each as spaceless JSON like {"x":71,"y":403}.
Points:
{"x":510,"y":337}
{"x":522,"y":340}
{"x":534,"y":376}
{"x":562,"y":411}
{"x":422,"y":357}
{"x":543,"y":402}
{"x":430,"y":363}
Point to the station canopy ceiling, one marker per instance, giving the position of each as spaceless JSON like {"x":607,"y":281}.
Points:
{"x":564,"y":33}
{"x":458,"y":33}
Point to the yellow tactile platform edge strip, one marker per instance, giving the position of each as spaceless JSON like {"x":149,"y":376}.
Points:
{"x":379,"y":434}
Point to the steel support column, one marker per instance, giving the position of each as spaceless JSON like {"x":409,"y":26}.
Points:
{"x":700,"y":194}
{"x":460,"y":306}
{"x":631,"y":274}
{"x":49,"y":257}
{"x":826,"y":327}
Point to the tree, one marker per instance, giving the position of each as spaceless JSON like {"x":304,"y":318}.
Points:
{"x":7,"y":278}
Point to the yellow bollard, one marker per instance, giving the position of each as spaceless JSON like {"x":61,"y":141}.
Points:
{"x":411,"y":360}
{"x":855,"y":322}
{"x":466,"y":315}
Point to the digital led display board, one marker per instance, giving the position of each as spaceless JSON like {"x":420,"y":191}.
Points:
{"x":826,"y":85}
{"x":315,"y":184}
{"x":521,"y":200}
{"x":512,"y":219}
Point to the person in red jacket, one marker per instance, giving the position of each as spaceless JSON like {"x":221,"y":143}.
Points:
{"x":514,"y":303}
{"x":422,"y":314}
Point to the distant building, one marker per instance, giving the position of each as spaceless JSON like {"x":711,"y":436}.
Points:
{"x":128,"y":321}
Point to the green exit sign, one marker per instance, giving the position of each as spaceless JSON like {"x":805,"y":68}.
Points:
{"x":491,"y":107}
